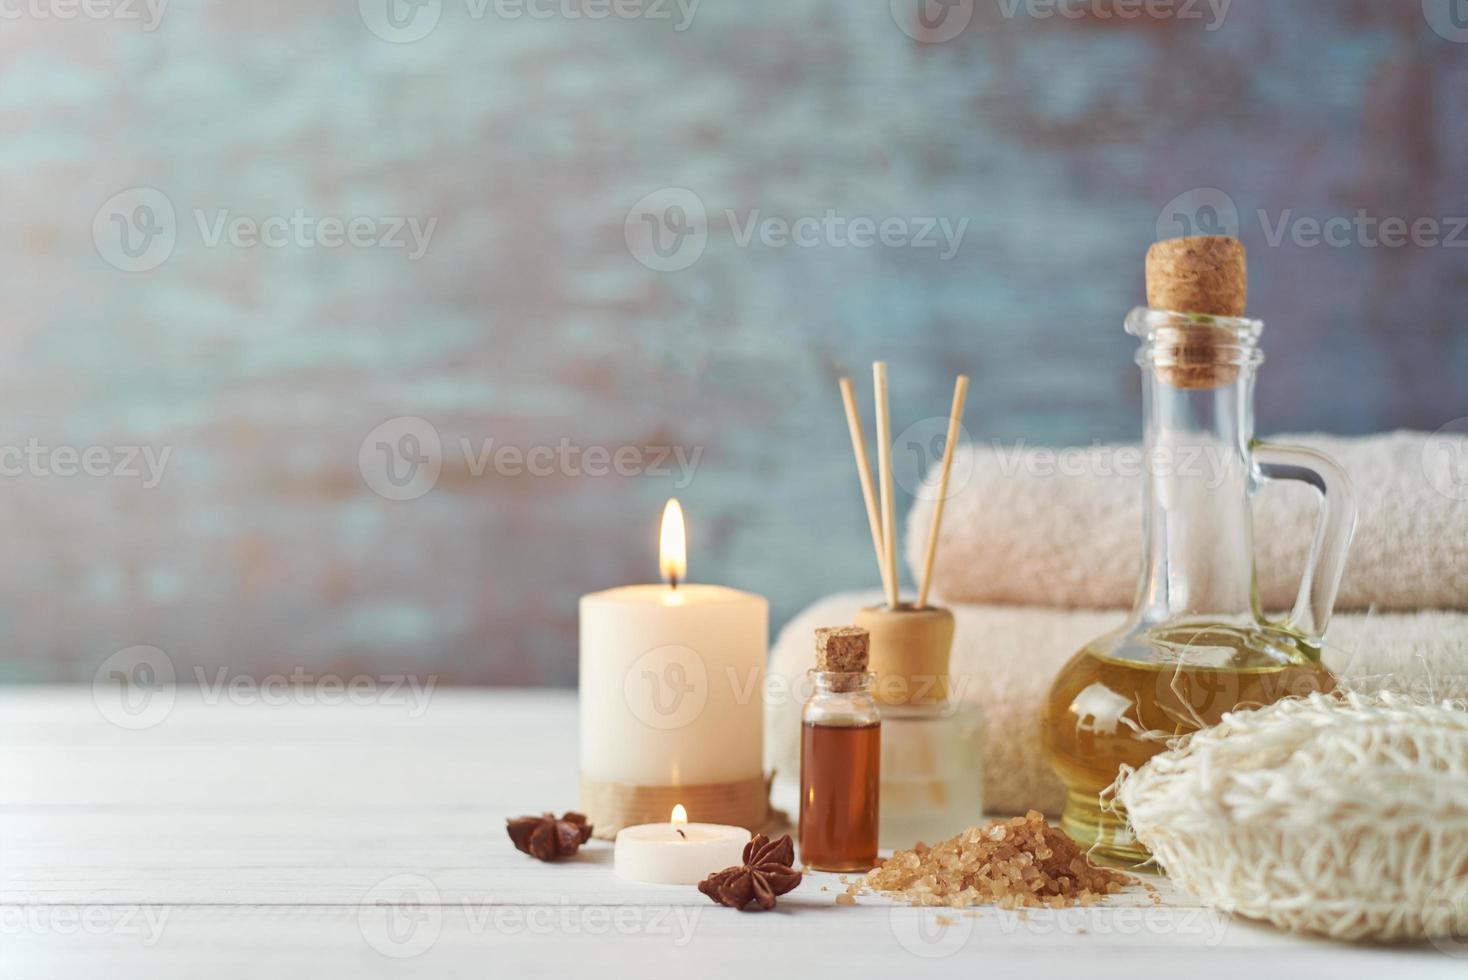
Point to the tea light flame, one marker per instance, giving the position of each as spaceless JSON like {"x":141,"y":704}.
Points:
{"x":680,"y":815}
{"x":673,"y":544}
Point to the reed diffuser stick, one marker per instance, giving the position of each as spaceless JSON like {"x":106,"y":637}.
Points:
{"x":955,"y":423}
{"x":864,"y":475}
{"x":884,"y":465}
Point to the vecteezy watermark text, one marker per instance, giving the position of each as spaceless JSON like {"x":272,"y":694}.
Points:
{"x":669,"y":687}
{"x":149,"y":13}
{"x":668,"y":230}
{"x":302,"y":687}
{"x":406,"y":21}
{"x":1214,"y":465}
{"x":1210,"y":211}
{"x":931,"y":934}
{"x":36,"y":917}
{"x":136,"y":688}
{"x":1211,"y":12}
{"x":300,"y":229}
{"x":403,"y":458}
{"x":402,"y":917}
{"x":35,"y":459}
{"x":936,"y":21}
{"x":137,"y":230}
{"x":836,"y":230}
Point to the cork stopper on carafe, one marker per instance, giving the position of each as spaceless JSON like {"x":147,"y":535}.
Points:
{"x":843,"y":650}
{"x":1205,"y":276}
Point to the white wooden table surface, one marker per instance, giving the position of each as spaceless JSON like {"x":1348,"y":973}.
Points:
{"x":292,"y":840}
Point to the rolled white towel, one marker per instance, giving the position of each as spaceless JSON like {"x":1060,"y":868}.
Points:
{"x":1004,"y":658}
{"x":1030,"y":527}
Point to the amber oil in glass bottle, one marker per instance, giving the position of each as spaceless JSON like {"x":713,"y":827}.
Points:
{"x":840,"y":756}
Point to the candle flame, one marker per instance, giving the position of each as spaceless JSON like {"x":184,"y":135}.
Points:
{"x":673,"y":547}
{"x":680,"y":815}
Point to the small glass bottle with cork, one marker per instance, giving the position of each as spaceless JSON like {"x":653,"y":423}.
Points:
{"x":840,"y":756}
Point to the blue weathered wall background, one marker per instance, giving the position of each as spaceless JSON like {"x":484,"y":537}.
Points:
{"x":1062,"y":141}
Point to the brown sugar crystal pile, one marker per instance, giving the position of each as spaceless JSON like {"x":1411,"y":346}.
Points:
{"x":1023,"y":862}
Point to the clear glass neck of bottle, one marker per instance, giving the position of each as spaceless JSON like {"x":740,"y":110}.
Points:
{"x":841,"y":699}
{"x":1198,"y":396}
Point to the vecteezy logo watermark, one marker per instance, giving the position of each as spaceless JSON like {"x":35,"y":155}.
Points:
{"x":134,"y":688}
{"x":1447,"y":18}
{"x":401,"y":916}
{"x":34,"y":459}
{"x":1201,"y":211}
{"x":406,"y":21}
{"x":1210,"y":211}
{"x":400,"y":21}
{"x":668,"y":230}
{"x":927,"y":934}
{"x":1445,"y":460}
{"x":402,"y":459}
{"x":932,"y":21}
{"x":136,"y":230}
{"x":917,"y":458}
{"x":667,"y":687}
{"x":148,"y":12}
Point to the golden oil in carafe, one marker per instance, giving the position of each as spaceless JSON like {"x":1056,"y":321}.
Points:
{"x":1107,"y":709}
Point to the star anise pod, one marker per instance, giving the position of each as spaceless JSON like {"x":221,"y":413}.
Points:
{"x":767,"y":871}
{"x":545,"y":838}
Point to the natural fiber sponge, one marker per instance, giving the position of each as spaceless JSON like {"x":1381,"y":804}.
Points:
{"x":1343,"y":815}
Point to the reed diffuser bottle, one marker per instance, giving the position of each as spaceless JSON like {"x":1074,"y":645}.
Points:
{"x":932,"y":739}
{"x":840,"y":756}
{"x":1196,"y":645}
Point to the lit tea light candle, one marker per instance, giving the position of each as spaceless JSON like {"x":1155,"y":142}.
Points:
{"x":672,"y":698}
{"x":677,"y":852}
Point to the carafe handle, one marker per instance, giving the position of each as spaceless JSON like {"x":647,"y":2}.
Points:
{"x":1333,"y":530}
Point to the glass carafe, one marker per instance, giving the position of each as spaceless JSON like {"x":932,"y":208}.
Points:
{"x":1196,"y":645}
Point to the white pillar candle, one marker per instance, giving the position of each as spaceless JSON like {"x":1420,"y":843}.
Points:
{"x":677,"y":853}
{"x":672,"y":685}
{"x":672,"y":682}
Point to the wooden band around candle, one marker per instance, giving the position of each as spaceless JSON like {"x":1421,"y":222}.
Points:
{"x":609,"y":807}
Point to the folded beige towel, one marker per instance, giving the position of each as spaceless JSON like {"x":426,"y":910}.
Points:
{"x":1020,"y":531}
{"x":1006,"y":657}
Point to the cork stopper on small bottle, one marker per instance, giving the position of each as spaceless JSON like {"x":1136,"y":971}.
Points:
{"x":1203,"y":276}
{"x":843,"y":650}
